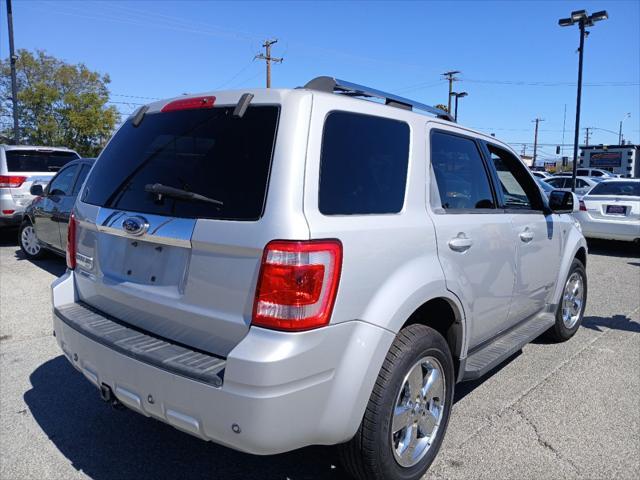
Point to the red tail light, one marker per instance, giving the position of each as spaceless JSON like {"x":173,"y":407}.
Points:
{"x":583,"y":207}
{"x":11,"y":181}
{"x":71,"y":242}
{"x":189,"y":104}
{"x":297,"y":284}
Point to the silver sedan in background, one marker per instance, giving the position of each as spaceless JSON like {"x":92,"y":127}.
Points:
{"x":611,"y":210}
{"x":583,"y":184}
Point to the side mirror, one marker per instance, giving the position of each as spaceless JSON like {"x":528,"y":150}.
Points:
{"x":563,"y":202}
{"x":37,"y":190}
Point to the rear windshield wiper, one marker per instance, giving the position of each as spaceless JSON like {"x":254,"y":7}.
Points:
{"x":160,"y":189}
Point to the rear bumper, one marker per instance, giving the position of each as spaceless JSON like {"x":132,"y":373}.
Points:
{"x":280,"y":391}
{"x":8,"y":204}
{"x":608,"y":229}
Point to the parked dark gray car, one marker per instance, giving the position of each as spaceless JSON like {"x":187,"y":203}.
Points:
{"x":45,"y":221}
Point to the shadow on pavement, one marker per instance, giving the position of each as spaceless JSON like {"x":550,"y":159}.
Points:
{"x":8,"y":236}
{"x":616,"y":322}
{"x":465,"y":388}
{"x":49,"y":262}
{"x":106,"y":444}
{"x":613,"y":248}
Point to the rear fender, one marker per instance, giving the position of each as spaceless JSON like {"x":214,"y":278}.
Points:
{"x":407,"y":289}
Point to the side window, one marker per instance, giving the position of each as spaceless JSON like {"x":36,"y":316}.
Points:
{"x":460,"y":173}
{"x":580,"y":183}
{"x":518,"y":188}
{"x":584,"y":173}
{"x":363,"y":164}
{"x":80,"y":180}
{"x":557,"y":182}
{"x":62,"y":183}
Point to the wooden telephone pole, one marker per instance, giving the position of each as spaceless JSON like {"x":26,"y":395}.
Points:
{"x":451,"y":77}
{"x":268,"y":58}
{"x":535,"y":140}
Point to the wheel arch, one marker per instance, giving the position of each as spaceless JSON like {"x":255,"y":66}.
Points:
{"x":445,"y":316}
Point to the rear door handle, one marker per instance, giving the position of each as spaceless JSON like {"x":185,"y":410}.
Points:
{"x":526,"y":235}
{"x":460,"y":243}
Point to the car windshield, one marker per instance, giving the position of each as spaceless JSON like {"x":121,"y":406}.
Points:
{"x":624,"y":189}
{"x":38,"y":160}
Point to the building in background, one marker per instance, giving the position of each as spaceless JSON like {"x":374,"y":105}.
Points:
{"x":619,"y":159}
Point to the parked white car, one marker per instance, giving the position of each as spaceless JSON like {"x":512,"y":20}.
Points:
{"x":611,"y":210}
{"x":278,"y":268}
{"x":563,"y":182}
{"x":22,"y":166}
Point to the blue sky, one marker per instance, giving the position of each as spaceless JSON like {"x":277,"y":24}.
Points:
{"x":516,"y":62}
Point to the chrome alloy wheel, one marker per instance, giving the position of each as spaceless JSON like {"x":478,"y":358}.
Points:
{"x":418,"y":411}
{"x":29,"y":240}
{"x":572,"y":300}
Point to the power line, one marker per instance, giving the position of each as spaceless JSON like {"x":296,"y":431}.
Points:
{"x":552,"y":84}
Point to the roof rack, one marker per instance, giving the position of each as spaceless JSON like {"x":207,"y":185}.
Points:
{"x":331,"y":85}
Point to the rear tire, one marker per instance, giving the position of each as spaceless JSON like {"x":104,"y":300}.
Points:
{"x":572,"y":304}
{"x":408,"y":411}
{"x":28,"y":240}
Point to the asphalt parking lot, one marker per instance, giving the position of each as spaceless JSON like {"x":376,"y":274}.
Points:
{"x":552,"y":411}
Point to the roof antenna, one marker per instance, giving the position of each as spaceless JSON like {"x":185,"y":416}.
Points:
{"x":242,"y":105}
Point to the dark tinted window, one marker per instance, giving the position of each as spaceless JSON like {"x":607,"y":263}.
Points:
{"x":363,"y":166}
{"x":205,"y":151}
{"x":460,"y":173}
{"x":80,"y":179}
{"x":557,"y":182}
{"x":518,"y":189}
{"x":37,"y":160}
{"x":626,"y":189}
{"x":63,"y":181}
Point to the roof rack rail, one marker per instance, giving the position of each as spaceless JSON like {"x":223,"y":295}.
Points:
{"x":331,"y":85}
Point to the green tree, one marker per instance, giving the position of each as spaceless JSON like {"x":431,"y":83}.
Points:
{"x":442,"y":107}
{"x":59,"y":104}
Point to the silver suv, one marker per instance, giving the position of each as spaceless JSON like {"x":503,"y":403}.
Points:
{"x":22,"y":166}
{"x":278,"y":268}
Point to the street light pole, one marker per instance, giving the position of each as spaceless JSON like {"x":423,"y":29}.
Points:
{"x":457,"y":95}
{"x":14,"y":82}
{"x":583,"y":20}
{"x":578,"y":100}
{"x":627,"y":115}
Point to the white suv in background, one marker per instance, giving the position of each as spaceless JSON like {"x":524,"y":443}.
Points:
{"x":20,"y":167}
{"x":275,"y":268}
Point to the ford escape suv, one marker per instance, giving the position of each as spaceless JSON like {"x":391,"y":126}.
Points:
{"x":270,"y":269}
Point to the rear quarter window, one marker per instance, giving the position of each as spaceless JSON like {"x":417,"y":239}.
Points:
{"x":363,"y":164}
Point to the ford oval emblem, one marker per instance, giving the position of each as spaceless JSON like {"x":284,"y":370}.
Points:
{"x":135,"y":225}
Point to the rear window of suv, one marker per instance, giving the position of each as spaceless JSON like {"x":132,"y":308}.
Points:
{"x":37,"y":160}
{"x":205,"y":151}
{"x":363,"y":165}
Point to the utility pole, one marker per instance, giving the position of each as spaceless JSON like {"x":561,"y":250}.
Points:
{"x":268,"y":58}
{"x":450,"y":76}
{"x":524,"y":149}
{"x":535,"y":140}
{"x":564,"y":123}
{"x":14,"y":82}
{"x":586,"y":136}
